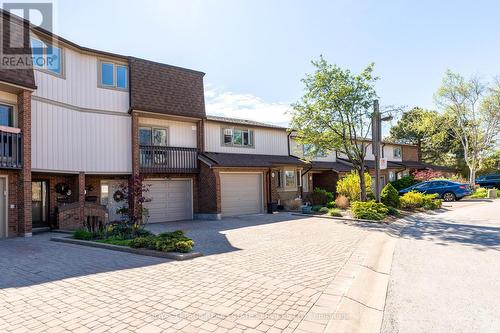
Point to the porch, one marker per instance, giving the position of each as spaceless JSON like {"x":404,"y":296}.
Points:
{"x":68,"y":201}
{"x":163,"y":159}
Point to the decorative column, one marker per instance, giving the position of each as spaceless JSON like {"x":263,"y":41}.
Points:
{"x":24,"y":207}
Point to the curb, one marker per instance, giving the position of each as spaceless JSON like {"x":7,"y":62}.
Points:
{"x":142,"y":252}
{"x":348,"y":219}
{"x":355,"y":299}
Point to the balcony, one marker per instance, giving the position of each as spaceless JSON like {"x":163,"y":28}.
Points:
{"x":10,"y":150}
{"x":159,"y":159}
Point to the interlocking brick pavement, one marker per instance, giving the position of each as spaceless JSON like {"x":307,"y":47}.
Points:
{"x":273,"y":275}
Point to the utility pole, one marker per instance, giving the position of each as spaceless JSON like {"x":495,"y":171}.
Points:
{"x":376,"y":137}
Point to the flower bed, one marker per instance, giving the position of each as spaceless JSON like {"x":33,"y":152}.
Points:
{"x":174,"y":241}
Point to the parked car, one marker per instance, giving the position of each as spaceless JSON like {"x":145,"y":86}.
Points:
{"x":491,"y":180}
{"x":447,"y":190}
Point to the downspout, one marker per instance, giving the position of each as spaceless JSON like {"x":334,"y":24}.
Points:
{"x":288,"y":141}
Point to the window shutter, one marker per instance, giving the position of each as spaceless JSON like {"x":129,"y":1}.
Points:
{"x":250,"y":138}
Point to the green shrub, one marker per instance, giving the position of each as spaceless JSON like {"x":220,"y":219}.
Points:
{"x":321,"y":196}
{"x":414,"y":200}
{"x":148,"y":242}
{"x":184,"y":246}
{"x":323,"y":210}
{"x":392,"y":211}
{"x":482,"y":192}
{"x":166,"y":242}
{"x":342,"y":202}
{"x":389,"y":196}
{"x":331,"y":204}
{"x":316,"y":208}
{"x":404,"y":182}
{"x":349,"y":187}
{"x":369,"y":210}
{"x":82,"y":234}
{"x":334,"y":212}
{"x":431,"y":202}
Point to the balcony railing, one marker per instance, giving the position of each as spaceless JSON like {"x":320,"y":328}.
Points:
{"x":11,"y":150}
{"x":168,"y":159}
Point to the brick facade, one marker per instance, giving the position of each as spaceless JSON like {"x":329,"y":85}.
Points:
{"x":410,"y":153}
{"x":326,"y":180}
{"x":24,"y":180}
{"x":75,"y":215}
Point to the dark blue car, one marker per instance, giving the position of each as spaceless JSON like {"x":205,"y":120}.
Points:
{"x":447,"y":190}
{"x":491,"y":180}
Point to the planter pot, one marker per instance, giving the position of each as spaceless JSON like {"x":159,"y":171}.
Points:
{"x":306,"y":209}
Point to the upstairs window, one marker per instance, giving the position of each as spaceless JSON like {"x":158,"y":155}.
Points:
{"x":396,"y":153}
{"x":6,"y":115}
{"x":46,"y":56}
{"x":149,"y":136}
{"x":237,"y":137}
{"x":113,"y":75}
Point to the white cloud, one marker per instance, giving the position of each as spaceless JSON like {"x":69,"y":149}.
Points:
{"x":246,"y":106}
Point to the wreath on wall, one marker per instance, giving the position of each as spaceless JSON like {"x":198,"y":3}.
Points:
{"x":118,"y":196}
{"x":63,"y":189}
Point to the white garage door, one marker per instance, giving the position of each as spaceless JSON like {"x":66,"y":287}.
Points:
{"x":171,"y":200}
{"x":241,"y":193}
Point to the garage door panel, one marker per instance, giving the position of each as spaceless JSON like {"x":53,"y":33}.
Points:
{"x":241,"y":193}
{"x":171,"y":200}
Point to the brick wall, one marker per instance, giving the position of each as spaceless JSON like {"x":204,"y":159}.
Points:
{"x":410,"y":153}
{"x":326,"y":180}
{"x":70,"y":216}
{"x":208,"y":191}
{"x":12,"y":199}
{"x":24,"y":180}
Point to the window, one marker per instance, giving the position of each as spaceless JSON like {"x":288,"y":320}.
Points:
{"x":396,"y":152}
{"x":392,"y":176}
{"x":152,"y":136}
{"x":290,"y":177}
{"x":237,"y":137}
{"x":47,"y":56}
{"x":6,"y":115}
{"x":305,"y":183}
{"x":113,"y":75}
{"x":104,"y":194}
{"x":299,"y":177}
{"x":311,"y":150}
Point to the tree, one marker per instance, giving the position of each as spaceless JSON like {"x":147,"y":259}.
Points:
{"x":474,"y":109}
{"x":430,"y":131}
{"x":335,"y":112}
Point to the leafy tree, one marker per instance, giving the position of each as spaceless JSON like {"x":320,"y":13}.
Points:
{"x":431,"y":132}
{"x":474,"y":109}
{"x":335,"y":112}
{"x":349,"y":186}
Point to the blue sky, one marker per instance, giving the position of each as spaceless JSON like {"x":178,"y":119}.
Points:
{"x":254,"y":53}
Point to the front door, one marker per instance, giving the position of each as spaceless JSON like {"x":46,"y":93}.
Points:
{"x":39,"y":204}
{"x":108,"y":190}
{"x":3,"y":220}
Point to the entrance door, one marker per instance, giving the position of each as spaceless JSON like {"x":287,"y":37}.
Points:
{"x":3,"y":208}
{"x":39,"y":206}
{"x":108,"y":190}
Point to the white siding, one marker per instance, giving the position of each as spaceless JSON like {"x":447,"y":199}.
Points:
{"x":180,"y":133}
{"x":72,"y":141}
{"x":79,"y":85}
{"x":388,"y":153}
{"x":297,"y":149}
{"x":268,"y":141}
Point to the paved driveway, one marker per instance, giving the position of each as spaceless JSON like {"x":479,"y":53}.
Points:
{"x":446,"y":272}
{"x":261,"y":274}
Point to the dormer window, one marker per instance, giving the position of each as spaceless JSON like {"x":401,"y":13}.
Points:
{"x":237,"y":137}
{"x":112,"y":75}
{"x":47,"y":56}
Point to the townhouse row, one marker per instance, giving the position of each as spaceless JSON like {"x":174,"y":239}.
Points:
{"x":81,"y":122}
